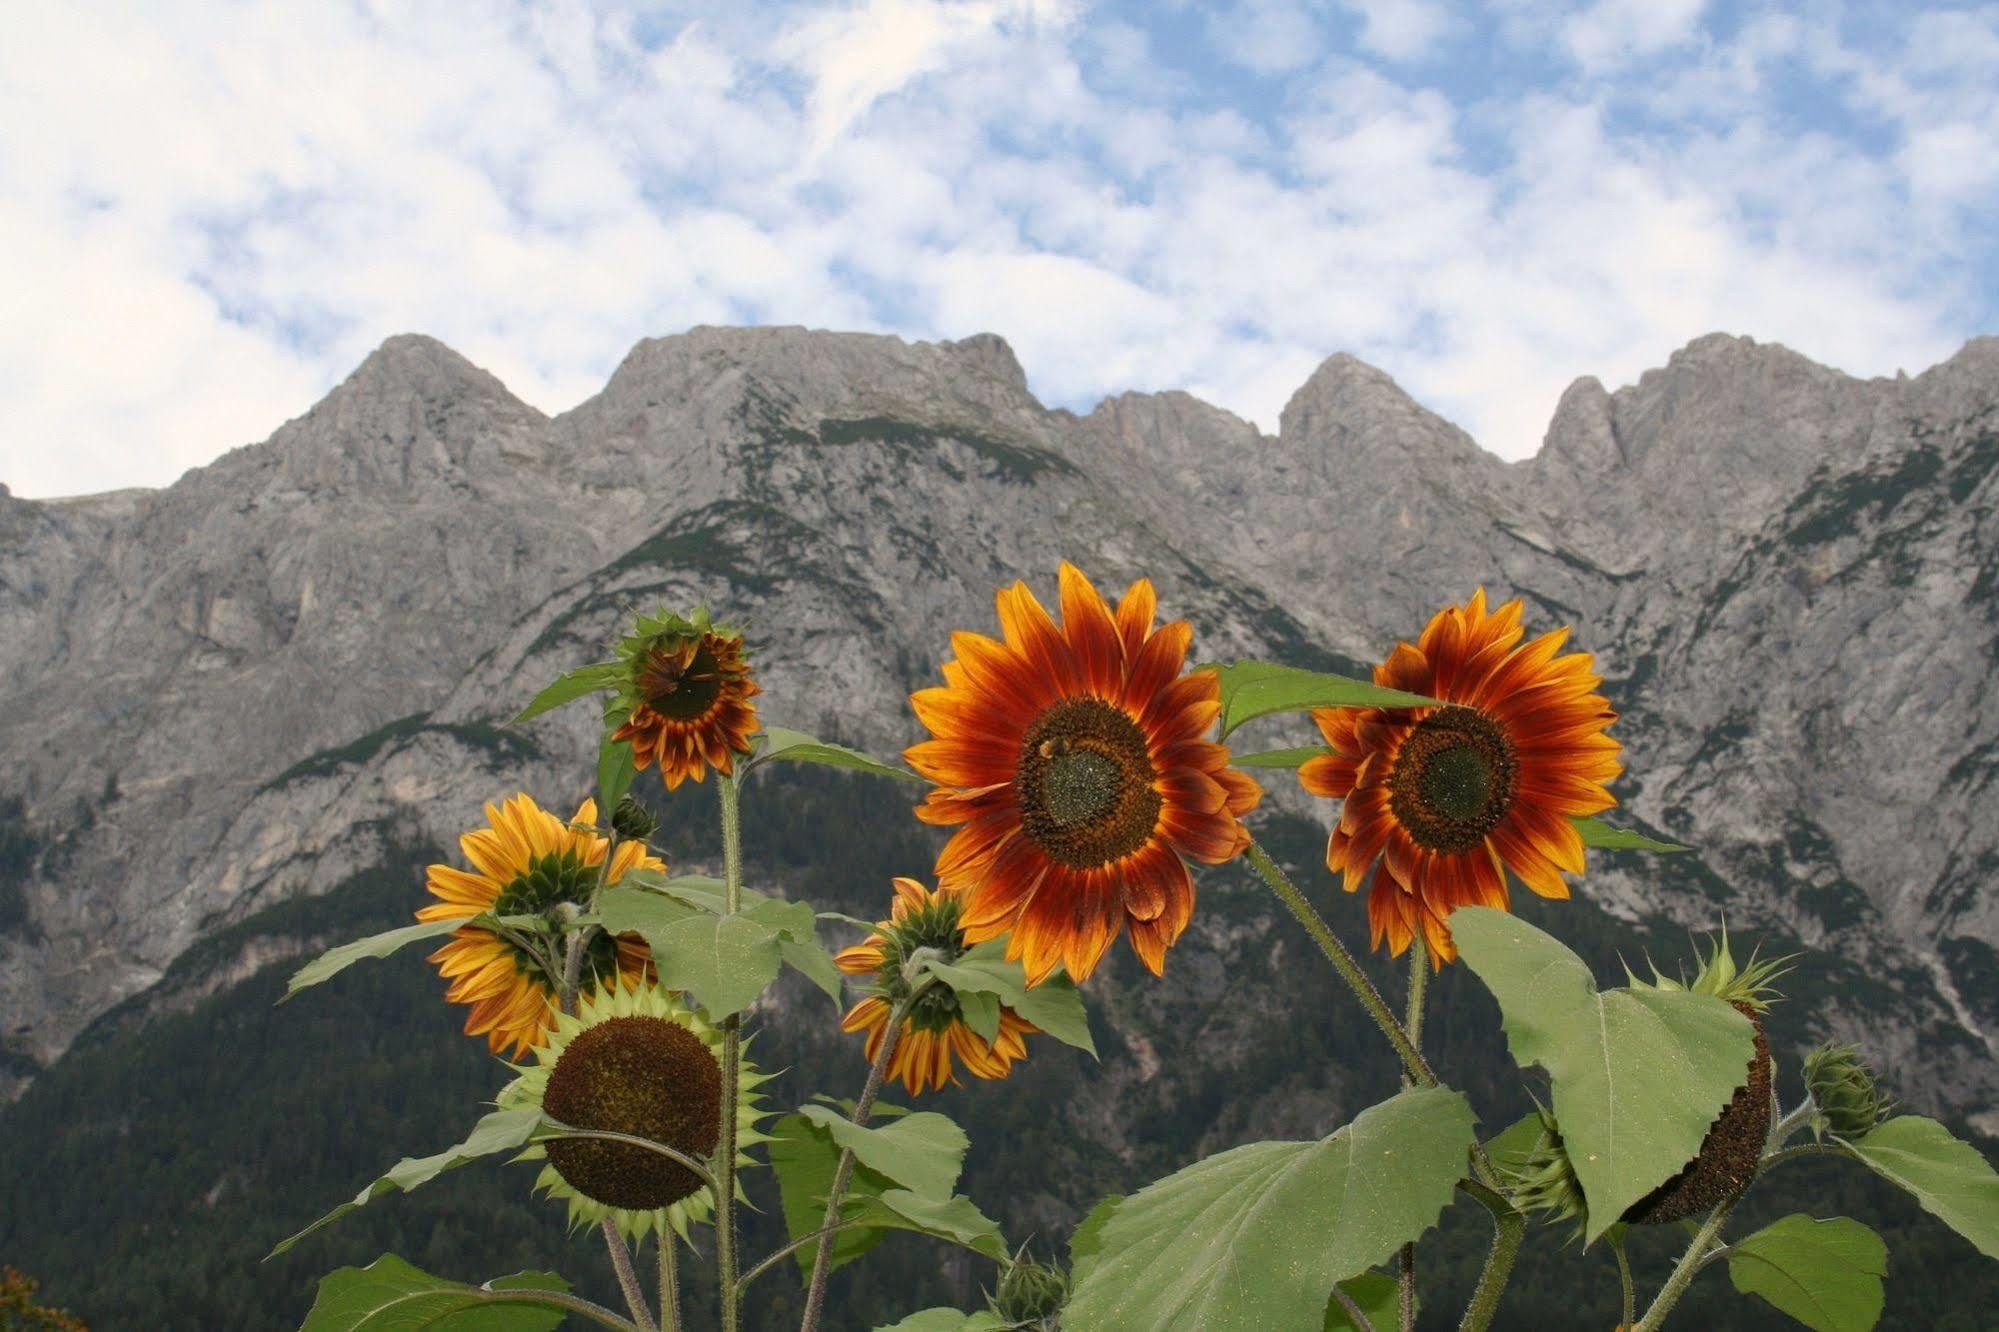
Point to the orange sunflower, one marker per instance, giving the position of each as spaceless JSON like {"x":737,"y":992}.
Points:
{"x":1076,"y":760}
{"x":935,"y":1029}
{"x":1450,"y":798}
{"x":525,"y":862}
{"x":688,"y":696}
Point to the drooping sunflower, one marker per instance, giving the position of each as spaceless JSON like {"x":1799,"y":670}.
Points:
{"x":636,"y":1061}
{"x":935,"y":1029}
{"x":686,"y":692}
{"x":1076,"y":760}
{"x":525,"y":862}
{"x":1448,"y":799}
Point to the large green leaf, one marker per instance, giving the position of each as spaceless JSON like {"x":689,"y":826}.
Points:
{"x":812,"y":962}
{"x":956,"y":1218}
{"x":500,"y":1131}
{"x":1379,"y":1299}
{"x":1951,"y":1179}
{"x":1825,"y":1274}
{"x":1252,"y":689}
{"x":1510,"y":1147}
{"x":727,"y":961}
{"x":615,"y":769}
{"x":389,"y":1295}
{"x":923,"y":1152}
{"x":1254,"y":1239}
{"x":797,"y":746}
{"x":1087,"y":1240}
{"x":1639,"y":1074}
{"x":804,"y":1156}
{"x":336,"y":960}
{"x":948,"y":1320}
{"x":583,"y":680}
{"x":1055,"y":1006}
{"x":1595,"y":832}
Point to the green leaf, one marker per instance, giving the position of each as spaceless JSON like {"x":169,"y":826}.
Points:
{"x":500,"y":1131}
{"x":1951,"y":1179}
{"x":615,"y":770}
{"x":1595,"y":832}
{"x":583,"y":680}
{"x":922,"y":1152}
{"x":1511,"y":1146}
{"x":1379,"y":1298}
{"x":981,"y":1013}
{"x":1825,"y":1274}
{"x":804,"y":1157}
{"x":1252,"y":689}
{"x":1279,"y":758}
{"x":956,"y":1218}
{"x":1087,"y":1240}
{"x":1639,"y":1074}
{"x":1055,"y":1006}
{"x":1256,"y":1237}
{"x":948,"y":1320}
{"x":793,"y":920}
{"x":813,"y":962}
{"x":336,"y":960}
{"x":780,"y":743}
{"x":727,"y":961}
{"x":695,"y":890}
{"x":389,"y":1295}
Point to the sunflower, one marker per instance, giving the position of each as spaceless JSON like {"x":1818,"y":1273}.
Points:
{"x":686,"y":695}
{"x":524,"y":863}
{"x":1449,"y":798}
{"x":1075,"y":758}
{"x":935,"y":1029}
{"x":636,"y":1061}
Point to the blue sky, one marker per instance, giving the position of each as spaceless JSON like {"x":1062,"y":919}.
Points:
{"x":212,"y":212}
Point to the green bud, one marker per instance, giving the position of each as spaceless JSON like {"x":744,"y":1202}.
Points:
{"x":1030,"y":1294}
{"x":1846,"y":1101}
{"x":1545,"y":1181}
{"x":633,"y":821}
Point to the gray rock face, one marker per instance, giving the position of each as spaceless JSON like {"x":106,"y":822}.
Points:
{"x":243,"y":687}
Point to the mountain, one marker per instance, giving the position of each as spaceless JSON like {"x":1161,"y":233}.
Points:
{"x":247,"y":693}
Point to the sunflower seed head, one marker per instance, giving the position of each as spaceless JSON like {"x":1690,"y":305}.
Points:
{"x":1846,"y":1101}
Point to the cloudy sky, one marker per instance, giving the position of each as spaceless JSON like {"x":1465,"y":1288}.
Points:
{"x":211,"y":212}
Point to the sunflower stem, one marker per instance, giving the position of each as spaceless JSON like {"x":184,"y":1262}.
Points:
{"x":1616,"y":1238}
{"x":732,"y":1058}
{"x":669,"y":1276}
{"x":1508,"y":1226}
{"x":815,"y":1299}
{"x":1690,"y":1262}
{"x":628,"y":1280}
{"x":1355,"y":1314}
{"x":578,"y":938}
{"x":1419,"y":977}
{"x":793,"y":1247}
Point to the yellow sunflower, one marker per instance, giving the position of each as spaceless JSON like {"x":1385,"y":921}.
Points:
{"x":637,"y":1061}
{"x":1448,"y":799}
{"x":935,"y":1030}
{"x":1076,"y":759}
{"x":525,"y":862}
{"x":687,"y":692}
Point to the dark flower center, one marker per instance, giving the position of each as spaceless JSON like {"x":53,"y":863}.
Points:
{"x":935,"y":927}
{"x":1084,"y":782}
{"x":680,"y":678}
{"x":547,"y":882}
{"x":642,"y":1076}
{"x":1453,"y":780}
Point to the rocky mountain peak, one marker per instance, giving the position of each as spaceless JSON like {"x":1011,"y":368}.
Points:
{"x":1359,"y":412}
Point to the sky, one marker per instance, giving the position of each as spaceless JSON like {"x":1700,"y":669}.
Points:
{"x":211,"y":213}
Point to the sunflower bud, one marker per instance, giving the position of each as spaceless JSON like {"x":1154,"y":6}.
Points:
{"x":1545,"y":1180}
{"x":1846,"y":1101}
{"x":632,"y":821}
{"x":1030,"y":1293}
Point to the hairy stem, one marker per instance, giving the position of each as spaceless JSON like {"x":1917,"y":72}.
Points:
{"x":1419,"y":977}
{"x":1355,"y":1315}
{"x":1623,"y":1277}
{"x":669,"y":1276}
{"x":815,"y":1298}
{"x":1413,"y":1063}
{"x":1690,"y":1262}
{"x":576,"y":1304}
{"x":628,"y":1280}
{"x":579,"y":936}
{"x":774,"y":1259}
{"x":1508,"y":1225}
{"x":732,"y":1064}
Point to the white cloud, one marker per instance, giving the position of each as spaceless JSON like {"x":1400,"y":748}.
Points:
{"x":1266,"y":36}
{"x":213,"y":219}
